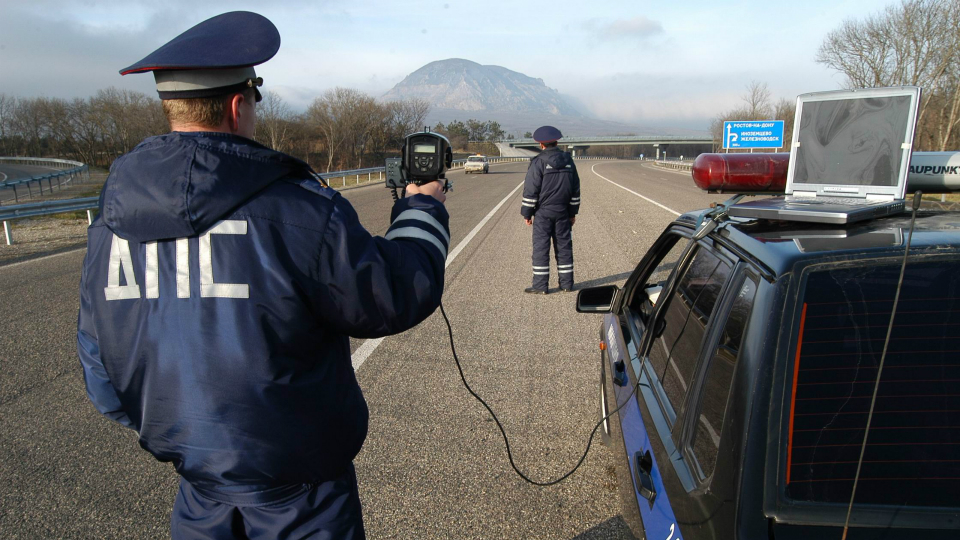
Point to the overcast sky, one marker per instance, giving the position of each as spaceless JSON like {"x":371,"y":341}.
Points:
{"x":665,"y":63}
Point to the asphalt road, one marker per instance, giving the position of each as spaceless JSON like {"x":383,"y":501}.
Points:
{"x":433,"y":465}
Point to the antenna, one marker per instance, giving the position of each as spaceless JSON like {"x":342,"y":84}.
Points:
{"x":883,"y":357}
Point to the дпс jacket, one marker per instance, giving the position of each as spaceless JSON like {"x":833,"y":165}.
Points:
{"x":552,"y":186}
{"x":219,"y":289}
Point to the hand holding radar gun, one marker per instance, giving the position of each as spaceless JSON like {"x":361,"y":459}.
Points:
{"x":425,"y":158}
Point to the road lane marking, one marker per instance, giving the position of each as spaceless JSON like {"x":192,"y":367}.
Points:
{"x":366,"y":349}
{"x":648,"y":199}
{"x":38,"y":259}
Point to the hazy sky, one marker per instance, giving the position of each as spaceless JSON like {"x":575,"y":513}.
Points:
{"x":666,"y":63}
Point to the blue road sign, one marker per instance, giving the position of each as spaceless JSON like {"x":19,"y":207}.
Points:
{"x":753,"y":134}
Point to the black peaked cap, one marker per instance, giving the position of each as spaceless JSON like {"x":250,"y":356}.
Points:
{"x":231,"y":40}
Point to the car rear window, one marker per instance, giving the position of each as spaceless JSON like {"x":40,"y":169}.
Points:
{"x":475,"y":159}
{"x":912,"y":450}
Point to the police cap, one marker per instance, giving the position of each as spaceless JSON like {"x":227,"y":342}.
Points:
{"x":546,"y":134}
{"x":215,"y":57}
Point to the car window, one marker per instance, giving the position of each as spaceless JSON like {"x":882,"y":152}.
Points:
{"x":911,"y":452}
{"x":638,"y":303}
{"x":705,"y":440}
{"x":675,"y":351}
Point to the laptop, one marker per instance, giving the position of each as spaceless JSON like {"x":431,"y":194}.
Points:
{"x":849,"y":160}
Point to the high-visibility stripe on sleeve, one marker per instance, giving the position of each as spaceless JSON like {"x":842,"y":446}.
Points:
{"x":528,"y":199}
{"x":528,"y":205}
{"x":420,"y":215}
{"x":419,"y":234}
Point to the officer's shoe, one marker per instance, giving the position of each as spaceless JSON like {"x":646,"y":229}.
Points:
{"x":567,"y":289}
{"x":534,"y":290}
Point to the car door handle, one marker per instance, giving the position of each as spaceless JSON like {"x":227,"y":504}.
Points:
{"x":642,"y":472}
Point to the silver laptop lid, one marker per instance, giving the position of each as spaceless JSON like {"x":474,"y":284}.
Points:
{"x":853,"y":143}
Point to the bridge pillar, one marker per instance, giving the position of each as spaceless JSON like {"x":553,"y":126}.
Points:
{"x":661,"y":148}
{"x":577,"y":150}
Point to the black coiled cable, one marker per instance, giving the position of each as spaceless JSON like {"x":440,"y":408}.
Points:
{"x":506,"y":441}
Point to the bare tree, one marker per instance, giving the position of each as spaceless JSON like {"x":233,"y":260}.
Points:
{"x":407,"y":116}
{"x":273,"y":121}
{"x":331,"y":115}
{"x":915,"y":42}
{"x":757,"y":99}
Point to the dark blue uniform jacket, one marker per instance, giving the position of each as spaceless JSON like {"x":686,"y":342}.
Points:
{"x":220,"y":285}
{"x":552,"y":186}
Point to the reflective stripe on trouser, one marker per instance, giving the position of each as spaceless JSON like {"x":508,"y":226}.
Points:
{"x":327,"y":510}
{"x":559,"y":230}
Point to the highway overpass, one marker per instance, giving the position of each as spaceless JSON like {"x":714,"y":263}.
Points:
{"x":649,"y":145}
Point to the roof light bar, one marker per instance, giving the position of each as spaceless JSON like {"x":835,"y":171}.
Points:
{"x":930,"y":172}
{"x":741,"y":173}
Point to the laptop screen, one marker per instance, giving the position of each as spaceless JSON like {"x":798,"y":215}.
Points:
{"x":857,"y":141}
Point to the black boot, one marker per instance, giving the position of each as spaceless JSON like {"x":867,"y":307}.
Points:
{"x":533,"y":290}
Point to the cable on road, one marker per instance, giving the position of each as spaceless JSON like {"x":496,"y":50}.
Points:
{"x":506,"y":441}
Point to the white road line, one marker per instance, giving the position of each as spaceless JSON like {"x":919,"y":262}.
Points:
{"x":366,"y":349}
{"x":38,"y":259}
{"x":672,"y":211}
{"x":4,"y":179}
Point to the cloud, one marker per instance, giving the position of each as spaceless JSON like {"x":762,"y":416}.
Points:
{"x":639,"y":28}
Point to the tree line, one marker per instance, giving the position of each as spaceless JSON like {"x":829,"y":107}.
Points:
{"x":912,"y":43}
{"x":341,"y":129}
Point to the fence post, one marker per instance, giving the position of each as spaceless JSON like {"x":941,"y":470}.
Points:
{"x":8,"y":233}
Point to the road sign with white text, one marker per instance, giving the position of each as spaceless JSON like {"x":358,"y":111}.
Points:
{"x":753,"y":134}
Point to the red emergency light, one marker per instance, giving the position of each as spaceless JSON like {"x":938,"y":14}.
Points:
{"x":742,"y":173}
{"x":755,"y":174}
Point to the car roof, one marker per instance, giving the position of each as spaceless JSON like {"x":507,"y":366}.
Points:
{"x":781,"y":244}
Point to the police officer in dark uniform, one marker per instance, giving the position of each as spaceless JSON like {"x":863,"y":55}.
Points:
{"x":220,"y":286}
{"x":551,"y":200}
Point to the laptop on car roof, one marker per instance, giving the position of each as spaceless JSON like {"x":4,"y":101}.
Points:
{"x":849,"y":159}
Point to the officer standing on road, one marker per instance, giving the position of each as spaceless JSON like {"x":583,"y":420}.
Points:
{"x":551,"y":192}
{"x":220,"y":286}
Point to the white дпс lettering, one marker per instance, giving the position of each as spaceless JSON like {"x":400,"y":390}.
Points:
{"x":122,"y":261}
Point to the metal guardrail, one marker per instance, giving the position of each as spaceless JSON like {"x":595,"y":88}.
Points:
{"x":681,"y":165}
{"x":10,"y":213}
{"x":66,"y":167}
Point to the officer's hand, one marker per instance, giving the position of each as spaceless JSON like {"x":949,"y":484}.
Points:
{"x":528,"y":221}
{"x":433,"y":189}
{"x":573,"y":220}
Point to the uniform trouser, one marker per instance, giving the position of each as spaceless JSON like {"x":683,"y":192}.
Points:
{"x":559,"y":229}
{"x":329,"y":510}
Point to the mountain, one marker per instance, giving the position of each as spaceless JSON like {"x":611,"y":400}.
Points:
{"x":459,"y":89}
{"x":463,"y":85}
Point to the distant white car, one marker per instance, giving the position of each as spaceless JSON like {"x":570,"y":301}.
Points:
{"x":476,"y":164}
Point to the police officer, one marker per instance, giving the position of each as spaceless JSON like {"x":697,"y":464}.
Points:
{"x":551,"y":200}
{"x":219,"y":289}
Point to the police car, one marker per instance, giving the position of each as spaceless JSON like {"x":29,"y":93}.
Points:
{"x":476,"y":164}
{"x":741,"y":359}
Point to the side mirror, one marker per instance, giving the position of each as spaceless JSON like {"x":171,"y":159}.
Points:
{"x":597,"y":299}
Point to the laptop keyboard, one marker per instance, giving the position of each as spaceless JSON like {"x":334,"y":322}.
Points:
{"x":846,"y":201}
